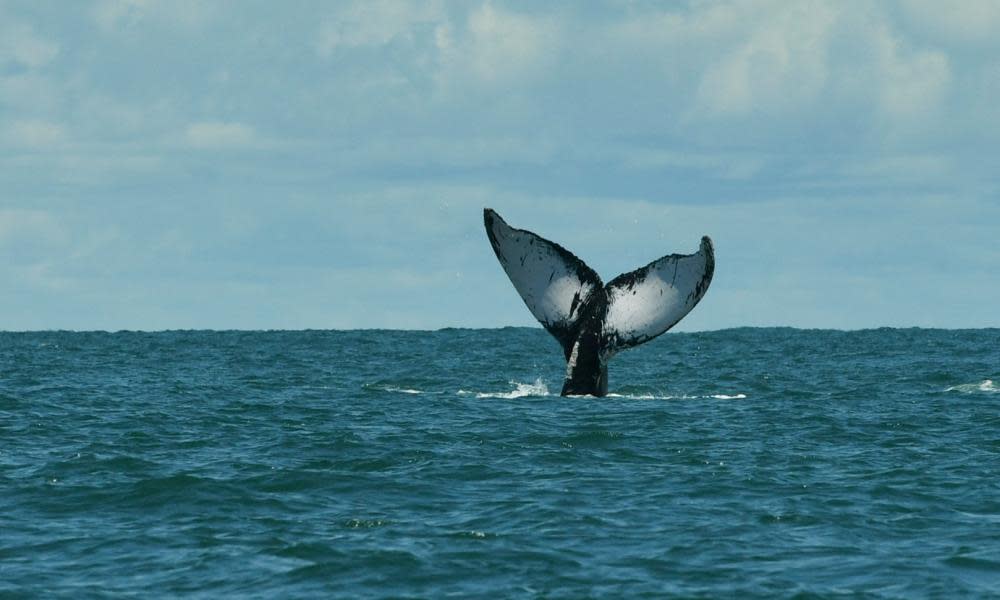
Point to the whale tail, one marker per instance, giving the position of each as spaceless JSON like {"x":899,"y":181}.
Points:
{"x":593,"y":321}
{"x":649,"y":301}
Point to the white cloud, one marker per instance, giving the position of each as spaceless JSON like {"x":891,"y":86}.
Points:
{"x":782,"y":64}
{"x":970,"y":22}
{"x":913,"y":83}
{"x":110,"y":14}
{"x":485,"y":45}
{"x":29,"y":226}
{"x":501,"y":46}
{"x":219,"y":134}
{"x":800,"y":62}
{"x":906,"y":169}
{"x":19,"y":44}
{"x":373,"y":23}
{"x":34,"y":133}
{"x":28,"y":93}
{"x":471,"y":152}
{"x":116,"y":15}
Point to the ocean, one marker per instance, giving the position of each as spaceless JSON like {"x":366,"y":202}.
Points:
{"x":744,"y":463}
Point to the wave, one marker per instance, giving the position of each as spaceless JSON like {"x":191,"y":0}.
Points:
{"x":539,"y":389}
{"x":393,"y":389}
{"x":521,"y":390}
{"x":678,"y":397}
{"x":986,"y":385}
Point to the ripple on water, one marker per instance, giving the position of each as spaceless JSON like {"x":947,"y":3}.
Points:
{"x":744,"y":463}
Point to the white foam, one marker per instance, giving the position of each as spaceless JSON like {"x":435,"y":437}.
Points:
{"x":397,"y":390}
{"x":521,"y":390}
{"x":539,"y":388}
{"x":986,"y":385}
{"x":679,"y":397}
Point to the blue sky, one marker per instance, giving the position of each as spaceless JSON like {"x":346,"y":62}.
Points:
{"x":183,"y":164}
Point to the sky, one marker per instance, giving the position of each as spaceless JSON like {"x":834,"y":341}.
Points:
{"x":176,"y":164}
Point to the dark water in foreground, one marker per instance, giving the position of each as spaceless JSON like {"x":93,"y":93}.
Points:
{"x":742,"y":463}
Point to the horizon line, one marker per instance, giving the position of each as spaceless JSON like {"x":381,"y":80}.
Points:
{"x":456,"y":328}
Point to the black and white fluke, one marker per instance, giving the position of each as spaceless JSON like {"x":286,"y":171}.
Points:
{"x":591,"y":320}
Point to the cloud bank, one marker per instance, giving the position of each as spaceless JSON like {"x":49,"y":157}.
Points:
{"x":251,"y":165}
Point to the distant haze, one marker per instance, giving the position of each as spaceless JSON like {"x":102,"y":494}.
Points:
{"x":182,"y":164}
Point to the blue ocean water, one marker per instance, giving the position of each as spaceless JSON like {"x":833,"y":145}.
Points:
{"x":741,"y":463}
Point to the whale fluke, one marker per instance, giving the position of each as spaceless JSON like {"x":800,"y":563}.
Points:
{"x":593,"y":321}
{"x":649,"y":301}
{"x":554,"y":283}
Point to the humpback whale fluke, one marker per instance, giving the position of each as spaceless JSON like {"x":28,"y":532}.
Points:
{"x":593,"y":321}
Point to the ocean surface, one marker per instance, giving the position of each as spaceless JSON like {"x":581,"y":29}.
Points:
{"x":766,"y":463}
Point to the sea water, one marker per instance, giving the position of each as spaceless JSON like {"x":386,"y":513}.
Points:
{"x":741,"y":463}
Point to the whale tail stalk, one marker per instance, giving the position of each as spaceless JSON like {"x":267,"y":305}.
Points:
{"x":593,"y":321}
